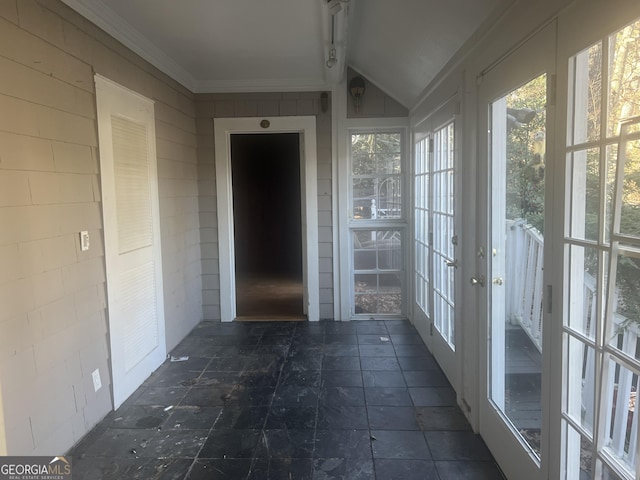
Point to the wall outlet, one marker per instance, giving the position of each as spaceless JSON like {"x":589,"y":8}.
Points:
{"x":96,"y":380}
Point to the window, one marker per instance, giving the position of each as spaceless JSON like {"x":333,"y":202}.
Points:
{"x":377,"y":223}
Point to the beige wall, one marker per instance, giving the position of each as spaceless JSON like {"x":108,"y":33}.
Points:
{"x":210,"y":106}
{"x":53,"y":318}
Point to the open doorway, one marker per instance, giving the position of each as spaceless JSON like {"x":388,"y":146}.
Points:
{"x":267,"y":218}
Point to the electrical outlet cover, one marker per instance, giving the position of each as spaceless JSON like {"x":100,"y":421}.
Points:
{"x":97,"y":383}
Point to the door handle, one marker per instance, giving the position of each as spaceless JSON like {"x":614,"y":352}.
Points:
{"x":453,"y":263}
{"x":477,"y":281}
{"x":498,"y":281}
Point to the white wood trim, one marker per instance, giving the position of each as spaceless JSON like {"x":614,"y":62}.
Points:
{"x":223,"y":129}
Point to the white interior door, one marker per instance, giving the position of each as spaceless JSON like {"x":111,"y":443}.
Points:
{"x":516,"y":112}
{"x":132,"y":235}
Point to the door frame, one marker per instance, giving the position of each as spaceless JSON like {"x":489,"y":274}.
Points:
{"x":531,"y":59}
{"x":114,"y":99}
{"x":306,"y":127}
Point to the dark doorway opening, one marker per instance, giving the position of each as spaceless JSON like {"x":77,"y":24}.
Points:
{"x":267,"y":209}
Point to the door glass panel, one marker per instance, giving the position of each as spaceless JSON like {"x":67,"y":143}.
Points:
{"x":583,"y":292}
{"x":422,"y":217}
{"x":621,"y":420}
{"x":443,"y":260}
{"x":517,"y":207}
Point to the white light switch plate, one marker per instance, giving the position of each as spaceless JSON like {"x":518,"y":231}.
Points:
{"x":97,"y":383}
{"x":84,"y":240}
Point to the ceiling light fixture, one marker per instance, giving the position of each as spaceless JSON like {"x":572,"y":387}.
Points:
{"x":331,"y":62}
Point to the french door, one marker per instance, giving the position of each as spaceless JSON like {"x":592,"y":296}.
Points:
{"x":514,"y":191}
{"x":600,"y":330}
{"x":435,"y":241}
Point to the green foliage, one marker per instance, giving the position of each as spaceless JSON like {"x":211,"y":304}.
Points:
{"x":525,"y":173}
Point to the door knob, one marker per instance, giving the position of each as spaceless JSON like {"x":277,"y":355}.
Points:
{"x":477,"y":281}
{"x":498,"y":281}
{"x":453,"y":263}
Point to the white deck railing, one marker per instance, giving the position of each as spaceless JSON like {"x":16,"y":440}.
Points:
{"x":524,"y":248}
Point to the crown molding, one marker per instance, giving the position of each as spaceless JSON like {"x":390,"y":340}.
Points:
{"x":260,"y":85}
{"x":105,"y":18}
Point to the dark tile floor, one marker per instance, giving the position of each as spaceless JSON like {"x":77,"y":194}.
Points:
{"x":291,"y":401}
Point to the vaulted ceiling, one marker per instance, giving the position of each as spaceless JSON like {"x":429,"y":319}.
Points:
{"x":283,"y":45}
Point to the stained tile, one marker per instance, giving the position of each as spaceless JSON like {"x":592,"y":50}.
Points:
{"x":433,"y":396}
{"x":425,"y":378}
{"x":212,"y":396}
{"x":339,"y":378}
{"x":377,"y":351}
{"x":392,"y":418}
{"x":418,"y":350}
{"x":220,"y":469}
{"x":341,"y":363}
{"x":138,"y":416}
{"x":406,"y":469}
{"x":448,"y":445}
{"x":342,"y":396}
{"x":426,"y":362}
{"x":377,"y":378}
{"x":466,"y":470}
{"x":242,"y":417}
{"x":399,"y":444}
{"x":230,"y":444}
{"x":286,"y":444}
{"x":267,"y":400}
{"x":394,"y":397}
{"x":192,"y":417}
{"x":340,"y":339}
{"x":307,"y":378}
{"x":343,"y":469}
{"x":380,"y":363}
{"x":169,"y":443}
{"x":296,"y":395}
{"x":292,"y":416}
{"x":343,"y":444}
{"x":341,"y":350}
{"x":342,"y":417}
{"x":441,"y":418}
{"x":281,"y":468}
{"x":161,"y":396}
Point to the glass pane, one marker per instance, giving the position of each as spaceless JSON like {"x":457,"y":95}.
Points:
{"x":621,"y":422}
{"x":607,"y":473}
{"x":579,"y":454}
{"x":585,"y":194}
{"x":630,"y":212}
{"x":612,"y":159}
{"x":518,"y":148}
{"x":583,"y":288}
{"x":378,"y":267}
{"x":580,"y":386}
{"x":623,"y":333}
{"x":377,"y":158}
{"x":624,"y":71}
{"x":587,"y":95}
